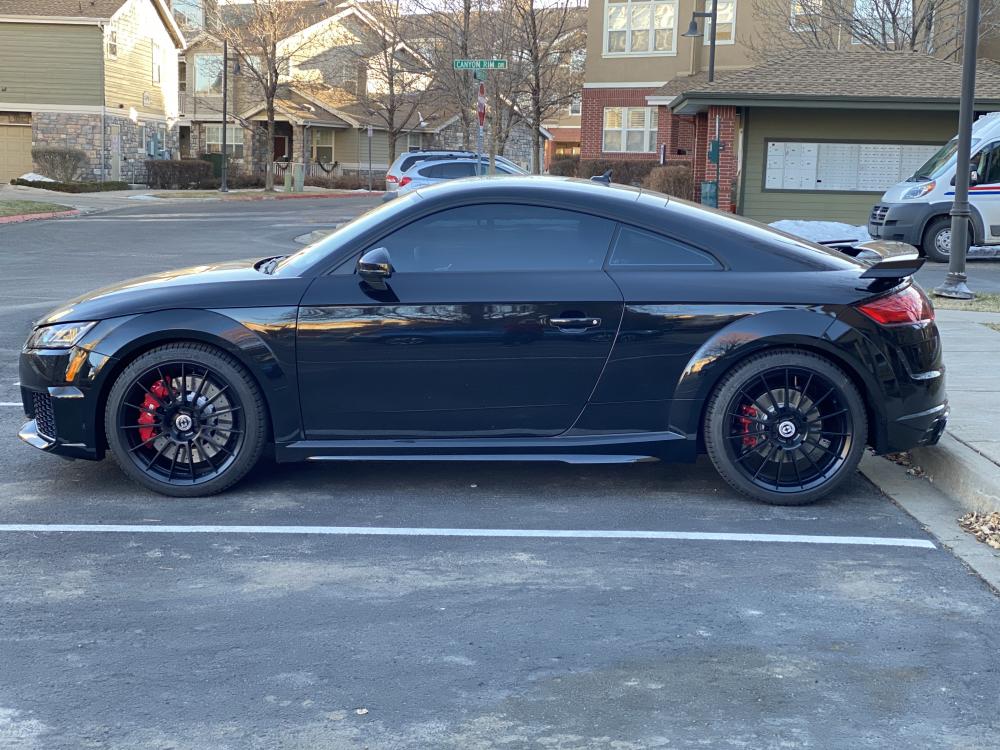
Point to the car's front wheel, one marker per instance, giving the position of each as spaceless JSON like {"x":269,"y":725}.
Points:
{"x":785,"y":427}
{"x":185,"y":420}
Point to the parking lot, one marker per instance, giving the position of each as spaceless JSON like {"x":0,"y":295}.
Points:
{"x":447,"y":605}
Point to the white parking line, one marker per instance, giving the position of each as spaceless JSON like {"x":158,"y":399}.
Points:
{"x":698,"y":536}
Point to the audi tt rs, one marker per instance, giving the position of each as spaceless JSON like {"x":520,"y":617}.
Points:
{"x":514,"y":319}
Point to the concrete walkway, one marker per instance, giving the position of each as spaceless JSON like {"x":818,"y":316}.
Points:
{"x":966,"y":463}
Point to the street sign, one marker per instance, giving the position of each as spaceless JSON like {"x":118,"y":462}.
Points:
{"x":479,"y":64}
{"x":481,"y":105}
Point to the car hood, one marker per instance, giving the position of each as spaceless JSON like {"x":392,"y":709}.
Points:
{"x":215,"y":285}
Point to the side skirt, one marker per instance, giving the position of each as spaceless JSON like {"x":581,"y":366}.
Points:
{"x":589,"y":449}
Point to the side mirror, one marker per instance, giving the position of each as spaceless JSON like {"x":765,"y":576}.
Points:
{"x":973,"y":177}
{"x":374,"y":267}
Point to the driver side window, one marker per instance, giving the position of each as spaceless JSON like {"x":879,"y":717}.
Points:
{"x":987,"y":164}
{"x":500,"y":237}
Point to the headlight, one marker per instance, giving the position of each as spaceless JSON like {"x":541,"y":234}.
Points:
{"x":58,"y":336}
{"x":919,"y":191}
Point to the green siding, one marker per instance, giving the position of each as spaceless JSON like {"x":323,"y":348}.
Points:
{"x":51,"y":64}
{"x":872,"y":126}
{"x":352,"y":148}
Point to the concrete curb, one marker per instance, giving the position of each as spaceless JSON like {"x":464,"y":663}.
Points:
{"x":304,"y":196}
{"x":961,"y":472}
{"x":19,"y":218}
{"x":936,"y":512}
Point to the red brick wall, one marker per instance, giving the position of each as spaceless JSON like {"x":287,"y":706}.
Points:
{"x":727,"y":158}
{"x":592,"y":120}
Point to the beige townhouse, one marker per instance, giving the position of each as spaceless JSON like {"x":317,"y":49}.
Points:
{"x":97,"y":75}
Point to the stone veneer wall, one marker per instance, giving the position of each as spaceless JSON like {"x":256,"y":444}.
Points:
{"x":83,"y":131}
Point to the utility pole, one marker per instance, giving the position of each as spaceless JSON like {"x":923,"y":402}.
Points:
{"x":954,"y":285}
{"x":224,"y":188}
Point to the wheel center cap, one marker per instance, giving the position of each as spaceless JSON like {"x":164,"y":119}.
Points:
{"x":786,"y":429}
{"x":183,"y":422}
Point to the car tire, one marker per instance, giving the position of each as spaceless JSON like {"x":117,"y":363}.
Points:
{"x":785,"y":427}
{"x":185,"y":420}
{"x":936,"y":244}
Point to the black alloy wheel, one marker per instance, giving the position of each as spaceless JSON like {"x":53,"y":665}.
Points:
{"x":185,"y":420}
{"x":786,"y":427}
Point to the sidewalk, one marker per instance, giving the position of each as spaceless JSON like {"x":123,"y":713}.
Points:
{"x":966,"y":463}
{"x":116,"y":199}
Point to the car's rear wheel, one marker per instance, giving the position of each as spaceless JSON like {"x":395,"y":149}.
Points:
{"x":185,"y":420}
{"x":786,"y":427}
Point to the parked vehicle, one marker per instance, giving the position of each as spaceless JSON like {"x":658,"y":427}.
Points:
{"x":405,"y":162}
{"x":528,"y":318}
{"x":916,"y":210}
{"x":427,"y":173}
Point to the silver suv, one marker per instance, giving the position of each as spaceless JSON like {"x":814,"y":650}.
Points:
{"x":405,"y":162}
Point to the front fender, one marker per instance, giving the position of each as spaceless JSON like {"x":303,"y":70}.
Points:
{"x":261,"y":338}
{"x":804,"y":328}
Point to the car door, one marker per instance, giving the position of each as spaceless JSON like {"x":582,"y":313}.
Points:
{"x":497,"y":321}
{"x":985,"y":193}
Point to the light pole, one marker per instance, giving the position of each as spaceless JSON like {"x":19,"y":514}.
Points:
{"x":954,"y":285}
{"x":224,"y":187}
{"x":695,"y":33}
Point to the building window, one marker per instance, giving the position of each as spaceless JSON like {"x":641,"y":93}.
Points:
{"x":346,"y":77}
{"x":234,"y":140}
{"x":156,"y":58}
{"x":113,"y":44}
{"x":577,"y":60}
{"x":638,"y":27}
{"x":727,"y":22}
{"x":841,"y":166}
{"x":189,"y":13}
{"x":182,"y":76}
{"x":414,"y":141}
{"x":322,"y":145}
{"x":575,"y":105}
{"x":630,"y":129}
{"x":803,"y":14}
{"x":208,"y":74}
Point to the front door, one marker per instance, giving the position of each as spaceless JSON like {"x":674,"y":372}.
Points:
{"x":497,"y":321}
{"x":281,"y":148}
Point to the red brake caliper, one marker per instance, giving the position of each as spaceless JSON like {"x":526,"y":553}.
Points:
{"x":149,"y":405}
{"x":749,"y":425}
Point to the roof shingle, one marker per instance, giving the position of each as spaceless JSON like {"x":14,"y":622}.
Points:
{"x":63,"y":8}
{"x":844,"y":74}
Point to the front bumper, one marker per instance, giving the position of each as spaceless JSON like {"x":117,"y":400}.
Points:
{"x":60,"y":392}
{"x":901,"y":222}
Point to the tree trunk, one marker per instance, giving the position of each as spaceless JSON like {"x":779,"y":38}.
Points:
{"x":269,"y":148}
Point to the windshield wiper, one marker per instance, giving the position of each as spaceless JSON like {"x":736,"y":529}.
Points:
{"x":268,"y":265}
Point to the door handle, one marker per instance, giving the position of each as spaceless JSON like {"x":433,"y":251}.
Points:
{"x":577,"y":324}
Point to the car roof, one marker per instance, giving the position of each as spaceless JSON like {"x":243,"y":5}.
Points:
{"x":458,"y":160}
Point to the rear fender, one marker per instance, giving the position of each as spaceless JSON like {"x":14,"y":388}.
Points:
{"x":262,"y":339}
{"x":803,"y":328}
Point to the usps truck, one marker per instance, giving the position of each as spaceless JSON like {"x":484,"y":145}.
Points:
{"x":916,"y":210}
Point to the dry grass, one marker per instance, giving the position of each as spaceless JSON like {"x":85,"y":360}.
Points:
{"x":19,"y":208}
{"x":994,"y":326}
{"x":982,"y":303}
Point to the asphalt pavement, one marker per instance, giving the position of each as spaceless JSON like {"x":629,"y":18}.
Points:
{"x":446,"y":605}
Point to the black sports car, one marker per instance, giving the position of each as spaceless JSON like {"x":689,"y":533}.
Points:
{"x":502,"y":319}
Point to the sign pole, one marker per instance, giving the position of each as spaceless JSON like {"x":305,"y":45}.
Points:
{"x":481,"y":112}
{"x":369,"y":157}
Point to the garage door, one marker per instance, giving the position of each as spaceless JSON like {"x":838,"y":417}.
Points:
{"x":15,"y":151}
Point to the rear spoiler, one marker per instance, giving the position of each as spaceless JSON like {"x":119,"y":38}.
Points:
{"x":886,"y":260}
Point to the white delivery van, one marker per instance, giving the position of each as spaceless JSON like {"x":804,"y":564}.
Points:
{"x":916,"y":210}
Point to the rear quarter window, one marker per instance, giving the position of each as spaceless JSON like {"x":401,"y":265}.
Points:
{"x":639,"y":248}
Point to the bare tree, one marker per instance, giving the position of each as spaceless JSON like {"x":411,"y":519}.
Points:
{"x":930,"y":26}
{"x":397,"y":77}
{"x":263,"y":35}
{"x":550,"y":35}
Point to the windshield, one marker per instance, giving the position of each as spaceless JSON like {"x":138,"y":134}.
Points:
{"x":943,"y":159}
{"x":293,"y":265}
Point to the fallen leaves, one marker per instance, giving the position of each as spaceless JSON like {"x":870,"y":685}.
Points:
{"x":984,"y":526}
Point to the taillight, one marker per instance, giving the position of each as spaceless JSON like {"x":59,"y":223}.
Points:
{"x":391,"y":178}
{"x":405,"y":181}
{"x":905,"y":307}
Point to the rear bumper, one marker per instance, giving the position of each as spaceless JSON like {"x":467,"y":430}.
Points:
{"x":920,"y":429}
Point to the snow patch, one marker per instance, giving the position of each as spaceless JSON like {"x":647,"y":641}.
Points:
{"x":35,"y":177}
{"x":822,"y":231}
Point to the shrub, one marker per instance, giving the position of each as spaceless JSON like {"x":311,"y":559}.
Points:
{"x":623,"y":171}
{"x":676,"y":180}
{"x":73,"y":187}
{"x":346,"y":182}
{"x":565,"y":166}
{"x":177,"y":173}
{"x":59,"y":162}
{"x":244,"y":181}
